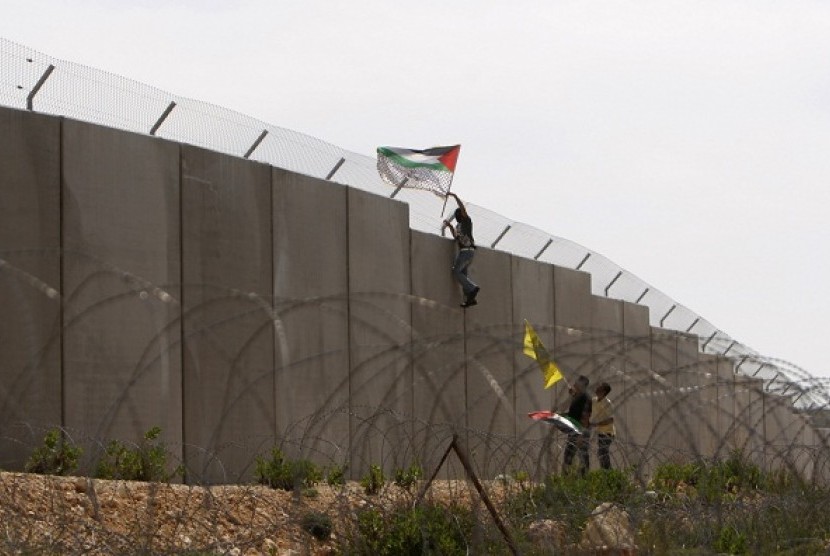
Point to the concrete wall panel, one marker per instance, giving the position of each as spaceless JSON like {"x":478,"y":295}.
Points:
{"x":780,"y":431}
{"x":439,"y":384}
{"x":754,"y":417}
{"x":802,"y":446}
{"x":532,"y":286}
{"x":607,"y":346}
{"x":30,"y":286}
{"x":122,"y":275}
{"x":666,"y":439}
{"x":726,"y":405}
{"x":490,"y":348}
{"x":311,"y":284}
{"x":379,"y":329}
{"x":572,"y":338}
{"x":705,"y":418}
{"x":227,"y":307}
{"x":691,"y":382}
{"x":634,"y":419}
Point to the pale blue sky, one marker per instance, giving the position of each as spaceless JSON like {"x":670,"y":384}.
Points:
{"x":686,"y":141}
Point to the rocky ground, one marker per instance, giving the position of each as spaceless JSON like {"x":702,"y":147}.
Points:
{"x":74,"y":515}
{"x":42,"y":514}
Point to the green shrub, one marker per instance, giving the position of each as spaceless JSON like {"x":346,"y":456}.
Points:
{"x":715,"y":480}
{"x":570,"y":498}
{"x":430,"y":529}
{"x":373,"y":481}
{"x":55,"y":457}
{"x":407,"y":478}
{"x":731,"y":541}
{"x":521,"y":477}
{"x":668,"y":477}
{"x":281,"y":473}
{"x":317,"y":524}
{"x":146,"y":462}
{"x":336,"y":475}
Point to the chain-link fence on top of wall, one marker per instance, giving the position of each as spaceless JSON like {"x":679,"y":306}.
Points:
{"x":33,"y":81}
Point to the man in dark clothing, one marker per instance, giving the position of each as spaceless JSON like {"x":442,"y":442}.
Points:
{"x":579,"y":410}
{"x":463,"y":234}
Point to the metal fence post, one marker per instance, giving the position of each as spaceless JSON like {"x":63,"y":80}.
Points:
{"x":539,"y":254}
{"x":336,"y":168}
{"x":673,"y":307}
{"x":501,"y":235}
{"x":256,"y":143}
{"x":706,"y":343}
{"x":163,"y":117}
{"x":31,"y":96}
{"x":608,"y":287}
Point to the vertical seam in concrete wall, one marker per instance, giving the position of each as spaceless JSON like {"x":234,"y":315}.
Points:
{"x":349,"y":327}
{"x":182,"y":381}
{"x":410,"y":350}
{"x":467,"y":407}
{"x":272,"y":185}
{"x":61,"y":272}
{"x":515,"y":420}
{"x":553,"y":346}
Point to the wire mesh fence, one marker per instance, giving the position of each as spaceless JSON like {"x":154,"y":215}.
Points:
{"x":753,"y":419}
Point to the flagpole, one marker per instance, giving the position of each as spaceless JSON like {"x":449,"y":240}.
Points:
{"x":446,"y":195}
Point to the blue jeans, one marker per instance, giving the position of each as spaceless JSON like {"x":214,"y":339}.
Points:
{"x":463,"y":260}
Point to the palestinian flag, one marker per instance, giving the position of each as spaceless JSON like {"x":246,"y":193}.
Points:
{"x":430,"y":169}
{"x":563,"y":423}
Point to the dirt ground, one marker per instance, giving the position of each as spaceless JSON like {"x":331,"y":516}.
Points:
{"x":73,"y":515}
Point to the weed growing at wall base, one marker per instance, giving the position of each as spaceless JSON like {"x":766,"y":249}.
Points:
{"x":282,"y":473}
{"x":430,"y":529}
{"x":145,"y":462}
{"x":56,"y":456}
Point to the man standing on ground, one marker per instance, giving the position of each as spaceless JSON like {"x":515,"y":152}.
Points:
{"x":463,"y":234}
{"x":580,"y":411}
{"x":603,"y":423}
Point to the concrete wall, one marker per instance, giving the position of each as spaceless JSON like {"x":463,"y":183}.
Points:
{"x":634,"y":419}
{"x":30,"y":240}
{"x":533,"y":301}
{"x":311,"y":324}
{"x":229,"y":391}
{"x":380,"y":366}
{"x":241,"y":307}
{"x":439,"y":362}
{"x":666,"y":438}
{"x":121,"y":285}
{"x":607,"y":346}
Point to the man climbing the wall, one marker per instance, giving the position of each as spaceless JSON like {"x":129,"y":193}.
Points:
{"x":463,"y":234}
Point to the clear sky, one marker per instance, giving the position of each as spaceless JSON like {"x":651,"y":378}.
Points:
{"x":688,"y":142}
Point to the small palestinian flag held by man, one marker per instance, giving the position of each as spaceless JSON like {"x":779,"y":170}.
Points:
{"x":430,"y":169}
{"x":563,"y":423}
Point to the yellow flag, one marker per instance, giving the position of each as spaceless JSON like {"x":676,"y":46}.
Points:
{"x":534,"y":349}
